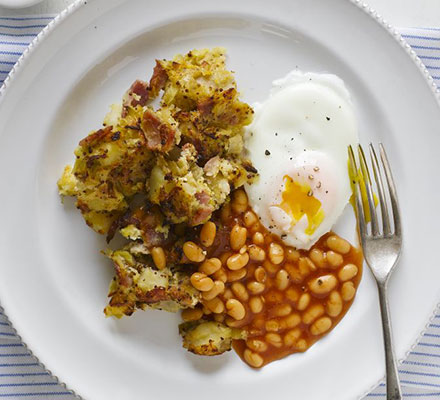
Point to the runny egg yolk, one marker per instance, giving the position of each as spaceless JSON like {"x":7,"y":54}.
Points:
{"x":297,"y":201}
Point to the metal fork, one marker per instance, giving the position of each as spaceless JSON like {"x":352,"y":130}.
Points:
{"x":382,"y":245}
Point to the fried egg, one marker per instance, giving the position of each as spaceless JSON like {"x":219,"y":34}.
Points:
{"x":298,"y":143}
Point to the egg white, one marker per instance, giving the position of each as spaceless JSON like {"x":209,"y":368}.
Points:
{"x":302,"y":131}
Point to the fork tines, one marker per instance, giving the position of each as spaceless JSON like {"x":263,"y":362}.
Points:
{"x":363,"y":187}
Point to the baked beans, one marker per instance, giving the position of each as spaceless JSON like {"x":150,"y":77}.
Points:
{"x":238,"y":237}
{"x":237,"y":261}
{"x":239,"y":201}
{"x":159,"y":257}
{"x":202,"y":282}
{"x":256,"y":304}
{"x":256,"y":253}
{"x":218,"y":288}
{"x":235,"y":309}
{"x":192,"y":314}
{"x":286,"y":299}
{"x":258,"y":238}
{"x":260,"y":274}
{"x":240,"y":291}
{"x":207,"y":233}
{"x":210,"y":266}
{"x":193,"y":252}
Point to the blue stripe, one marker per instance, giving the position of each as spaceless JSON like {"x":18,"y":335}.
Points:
{"x":12,"y":345}
{"x":24,"y":18}
{"x":421,"y":364}
{"x":34,"y":364}
{"x":433,"y":325}
{"x":429,"y":58}
{"x":7,"y":63}
{"x":429,"y":344}
{"x":425,"y":47}
{"x":424,"y":354}
{"x":35,"y":394}
{"x":4,"y":323}
{"x":419,"y":37}
{"x":19,"y":34}
{"x":17,"y":374}
{"x":435,"y":77}
{"x":28,"y":384}
{"x":4,"y":333}
{"x":405,"y":394}
{"x":15,"y":355}
{"x":419,"y":383}
{"x":15,"y":43}
{"x":11,"y":53}
{"x":22,"y":27}
{"x":419,"y":373}
{"x":431,"y":334}
{"x":426,"y":29}
{"x":433,"y":67}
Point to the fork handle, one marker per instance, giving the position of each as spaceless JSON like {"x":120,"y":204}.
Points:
{"x":394,"y":392}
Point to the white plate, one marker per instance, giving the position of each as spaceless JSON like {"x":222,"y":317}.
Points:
{"x":18,"y":3}
{"x":53,"y":280}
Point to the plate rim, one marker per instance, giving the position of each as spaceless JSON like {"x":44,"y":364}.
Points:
{"x":21,"y":4}
{"x":79,"y":4}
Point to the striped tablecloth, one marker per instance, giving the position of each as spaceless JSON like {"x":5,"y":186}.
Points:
{"x":22,"y":376}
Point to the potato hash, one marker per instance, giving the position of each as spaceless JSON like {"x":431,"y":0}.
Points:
{"x":154,"y":174}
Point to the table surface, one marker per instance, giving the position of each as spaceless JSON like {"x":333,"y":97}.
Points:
{"x":400,"y":13}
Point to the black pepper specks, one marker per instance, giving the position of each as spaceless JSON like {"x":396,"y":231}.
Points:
{"x":327,"y":118}
{"x":267,"y":152}
{"x":116,"y":136}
